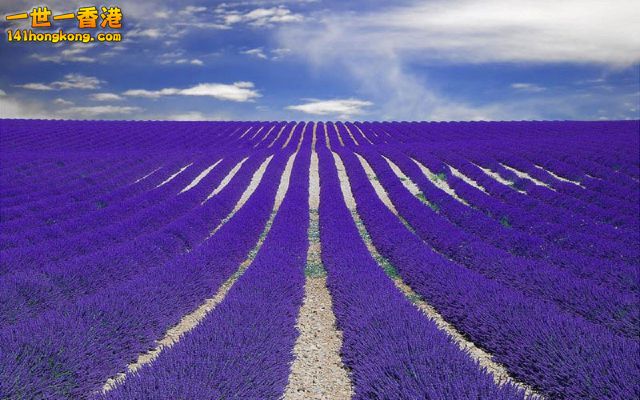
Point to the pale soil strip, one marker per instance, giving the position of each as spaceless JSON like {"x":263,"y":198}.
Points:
{"x":253,"y":185}
{"x":200,"y":177}
{"x":264,"y":137}
{"x":406,"y":181}
{"x":524,"y":175}
{"x":256,"y":134}
{"x":410,"y":185}
{"x":338,"y":135}
{"x":362,"y":133}
{"x":466,"y":179}
{"x":382,"y":194}
{"x":558,"y":177}
{"x":226,"y":180}
{"x":498,"y":372}
{"x":326,"y":137}
{"x":277,"y":136}
{"x":169,"y":179}
{"x":147,"y":175}
{"x":496,"y":176}
{"x":193,"y":319}
{"x":245,"y":132}
{"x":439,"y":182}
{"x":350,"y":134}
{"x":291,"y":134}
{"x":317,"y":371}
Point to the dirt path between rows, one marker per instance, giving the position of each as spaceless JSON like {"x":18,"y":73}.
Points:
{"x":317,"y":371}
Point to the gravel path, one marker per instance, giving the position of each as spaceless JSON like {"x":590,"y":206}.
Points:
{"x":317,"y":371}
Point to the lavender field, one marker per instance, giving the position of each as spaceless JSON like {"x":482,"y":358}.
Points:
{"x":297,"y":260}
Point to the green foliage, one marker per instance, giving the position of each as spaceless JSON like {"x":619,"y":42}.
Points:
{"x":314,"y":269}
{"x":422,"y":198}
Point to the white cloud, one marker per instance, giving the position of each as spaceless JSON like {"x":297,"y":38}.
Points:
{"x":259,"y":17}
{"x":162,"y":14}
{"x":35,"y":86}
{"x":273,"y":54}
{"x":178,"y":57}
{"x":75,"y":53}
{"x":527,"y":87}
{"x":257,"y":52}
{"x":194,"y":61}
{"x":150,"y":33}
{"x":195,"y":116}
{"x":151,"y":94}
{"x":342,"y":108}
{"x":238,"y":91}
{"x":378,"y":49}
{"x":489,"y":31}
{"x":93,"y":111}
{"x":202,"y":25}
{"x":11,"y":107}
{"x":71,"y":81}
{"x":106,"y":97}
{"x":189,"y":10}
{"x":77,"y":81}
{"x":262,"y":3}
{"x":2,"y":93}
{"x":279,"y":53}
{"x":62,"y":102}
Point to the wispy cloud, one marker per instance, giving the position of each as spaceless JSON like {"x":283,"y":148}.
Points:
{"x":94,"y":111}
{"x":106,"y":97}
{"x":70,"y":81}
{"x":279,"y":53}
{"x":257,"y":52}
{"x":378,"y":49}
{"x":190,"y":10}
{"x":11,"y":107}
{"x":273,"y":54}
{"x":342,"y":108}
{"x":195,"y":116}
{"x":75,"y":53}
{"x":527,"y":87}
{"x":193,"y":61}
{"x":150,"y":33}
{"x":62,"y":102}
{"x":487,"y":31}
{"x":237,"y":91}
{"x":179,"y":57}
{"x":258,"y":17}
{"x":224,"y":17}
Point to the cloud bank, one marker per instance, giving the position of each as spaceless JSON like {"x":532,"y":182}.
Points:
{"x":238,"y":91}
{"x":342,"y":108}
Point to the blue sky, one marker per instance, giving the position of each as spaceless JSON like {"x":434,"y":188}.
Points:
{"x":306,"y":59}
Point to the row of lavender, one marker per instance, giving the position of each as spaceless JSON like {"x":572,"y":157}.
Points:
{"x":112,"y":260}
{"x":113,"y":279}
